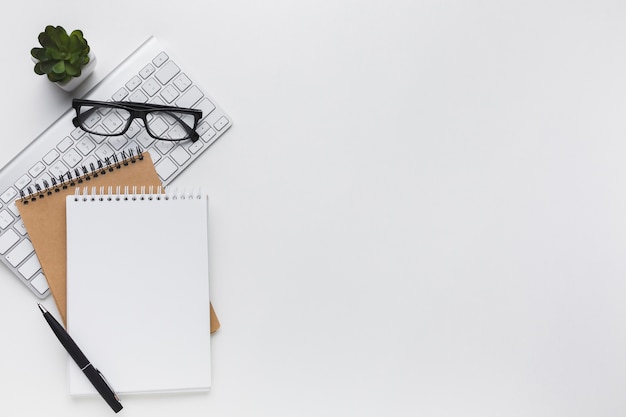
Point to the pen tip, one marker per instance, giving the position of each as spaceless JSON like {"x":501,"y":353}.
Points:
{"x":42,"y":308}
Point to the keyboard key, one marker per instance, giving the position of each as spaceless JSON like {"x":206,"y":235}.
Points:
{"x":166,"y":168}
{"x":120,"y":94}
{"x":9,"y":195}
{"x":154,"y":155}
{"x":118,"y":142}
{"x":37,"y":169}
{"x":13,"y":208}
{"x":147,"y":71}
{"x":104,"y":152}
{"x":144,"y":139}
{"x":20,"y":252}
{"x":40,"y":283}
{"x":30,"y":267}
{"x":96,"y":138}
{"x":133,"y":129}
{"x":21,"y":227}
{"x":92,"y":120}
{"x":157,"y":100}
{"x":203,"y":128}
{"x":139,"y":97}
{"x":169,"y":93}
{"x":22,"y":182}
{"x":51,"y":156}
{"x":77,"y":133}
{"x":57,"y":169}
{"x":8,"y":239}
{"x":190,"y":97}
{"x":65,"y":144}
{"x":5,"y":219}
{"x":85,"y":145}
{"x":165,"y":74}
{"x":206,"y":106}
{"x":158,"y":126}
{"x":182,"y":82}
{"x":208,"y":135}
{"x":113,"y":122}
{"x":151,"y":87}
{"x":221,"y":123}
{"x":72,"y":158}
{"x":164,"y":146}
{"x":89,"y":161}
{"x":133,"y":83}
{"x":180,"y":155}
{"x":177,"y":132}
{"x":196,"y":146}
{"x":160,"y":59}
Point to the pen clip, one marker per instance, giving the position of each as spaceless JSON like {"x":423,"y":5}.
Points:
{"x":107,"y":384}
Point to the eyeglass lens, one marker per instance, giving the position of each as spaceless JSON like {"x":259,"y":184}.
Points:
{"x":163,"y":124}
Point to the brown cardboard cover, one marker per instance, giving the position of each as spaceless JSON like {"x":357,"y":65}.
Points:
{"x":44,"y":217}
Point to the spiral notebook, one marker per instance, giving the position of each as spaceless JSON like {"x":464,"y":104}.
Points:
{"x":146,"y":254}
{"x":43,"y":212}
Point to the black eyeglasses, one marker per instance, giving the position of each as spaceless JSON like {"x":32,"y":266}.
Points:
{"x":113,"y":118}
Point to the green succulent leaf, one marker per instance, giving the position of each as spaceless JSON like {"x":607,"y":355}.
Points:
{"x":63,"y":41}
{"x":72,"y":69}
{"x":78,"y":34}
{"x":53,"y":34}
{"x":59,"y":67}
{"x":74,"y":43}
{"x":54,"y":77}
{"x":45,"y":40}
{"x":54,"y":53}
{"x":46,"y":66}
{"x":38,"y":53}
{"x":38,"y":69}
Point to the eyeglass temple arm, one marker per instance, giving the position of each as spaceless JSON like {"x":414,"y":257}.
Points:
{"x":193,"y":135}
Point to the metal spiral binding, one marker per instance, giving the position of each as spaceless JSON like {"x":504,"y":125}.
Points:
{"x":87,"y":193}
{"x":80,"y":175}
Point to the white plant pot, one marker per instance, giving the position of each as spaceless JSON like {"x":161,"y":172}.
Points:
{"x":85,"y":72}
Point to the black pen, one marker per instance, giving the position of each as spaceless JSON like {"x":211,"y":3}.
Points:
{"x":94,"y":376}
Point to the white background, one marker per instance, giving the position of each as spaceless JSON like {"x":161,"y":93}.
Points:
{"x":420,"y":209}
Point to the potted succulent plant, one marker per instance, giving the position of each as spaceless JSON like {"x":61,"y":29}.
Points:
{"x":66,"y":59}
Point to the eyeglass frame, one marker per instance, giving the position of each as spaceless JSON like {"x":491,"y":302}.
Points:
{"x":137,"y":110}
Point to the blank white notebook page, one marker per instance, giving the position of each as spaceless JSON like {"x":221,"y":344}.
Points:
{"x":138,"y":291}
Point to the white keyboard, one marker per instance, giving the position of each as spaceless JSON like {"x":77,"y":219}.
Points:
{"x":150,"y":74}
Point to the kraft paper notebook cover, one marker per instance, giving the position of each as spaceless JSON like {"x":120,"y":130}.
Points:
{"x":149,"y":328}
{"x":43,"y":214}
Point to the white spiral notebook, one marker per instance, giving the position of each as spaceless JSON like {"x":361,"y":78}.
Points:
{"x":138,"y":289}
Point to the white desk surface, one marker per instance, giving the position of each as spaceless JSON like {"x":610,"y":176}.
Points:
{"x":419,"y":210}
